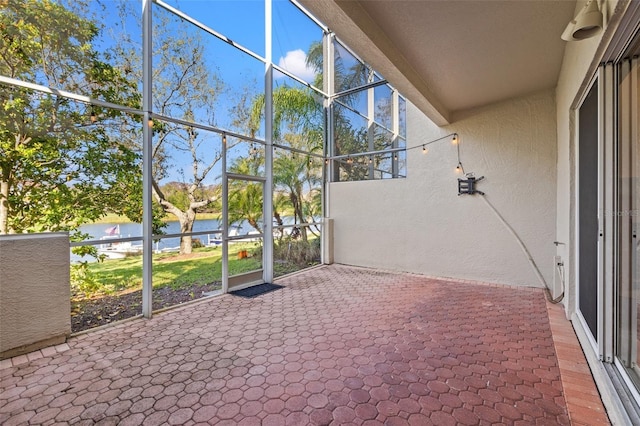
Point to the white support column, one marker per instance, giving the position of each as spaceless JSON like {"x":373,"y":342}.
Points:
{"x":147,"y":149}
{"x":395,"y":120}
{"x":329,"y":88}
{"x":329,"y":149}
{"x":371,"y":112}
{"x":225,"y":217}
{"x":267,"y":249}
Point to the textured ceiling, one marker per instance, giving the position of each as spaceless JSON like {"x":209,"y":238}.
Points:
{"x":447,"y":56}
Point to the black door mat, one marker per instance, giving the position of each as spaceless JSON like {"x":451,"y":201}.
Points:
{"x":256,"y":290}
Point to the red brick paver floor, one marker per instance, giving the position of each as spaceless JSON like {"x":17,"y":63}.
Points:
{"x":338,"y":345}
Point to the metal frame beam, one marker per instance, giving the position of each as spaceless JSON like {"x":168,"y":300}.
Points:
{"x":267,"y":203}
{"x":147,"y":156}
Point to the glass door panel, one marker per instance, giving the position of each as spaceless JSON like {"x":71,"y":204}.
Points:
{"x":244,"y":230}
{"x":628,"y":345}
{"x":635,"y":255}
{"x":588,"y":211}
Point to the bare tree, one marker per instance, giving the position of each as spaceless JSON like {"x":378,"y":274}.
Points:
{"x":184,"y":88}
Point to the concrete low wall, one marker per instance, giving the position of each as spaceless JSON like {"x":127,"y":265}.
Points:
{"x":35,"y":300}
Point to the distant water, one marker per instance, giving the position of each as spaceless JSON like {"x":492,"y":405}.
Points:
{"x":129,"y":229}
{"x":99,"y":230}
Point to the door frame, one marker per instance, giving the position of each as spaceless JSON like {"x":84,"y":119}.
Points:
{"x":593,"y":337}
{"x":252,"y":278}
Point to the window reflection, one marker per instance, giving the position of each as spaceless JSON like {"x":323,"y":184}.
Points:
{"x":349,"y":71}
{"x":383,"y":111}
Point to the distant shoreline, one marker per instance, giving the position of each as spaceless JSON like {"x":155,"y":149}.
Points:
{"x":114,"y":218}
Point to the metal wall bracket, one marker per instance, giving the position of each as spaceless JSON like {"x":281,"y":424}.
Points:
{"x":468,"y":185}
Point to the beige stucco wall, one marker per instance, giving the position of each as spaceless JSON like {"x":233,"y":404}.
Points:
{"x":34,"y":292}
{"x":420,"y":224}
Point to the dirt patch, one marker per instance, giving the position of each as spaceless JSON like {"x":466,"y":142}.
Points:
{"x":90,"y":313}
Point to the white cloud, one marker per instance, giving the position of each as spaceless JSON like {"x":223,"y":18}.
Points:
{"x":295,"y":62}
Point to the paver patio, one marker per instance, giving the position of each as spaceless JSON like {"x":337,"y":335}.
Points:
{"x":337,"y":345}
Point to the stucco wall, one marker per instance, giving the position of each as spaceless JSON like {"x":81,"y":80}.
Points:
{"x":34,"y":292}
{"x":420,"y":224}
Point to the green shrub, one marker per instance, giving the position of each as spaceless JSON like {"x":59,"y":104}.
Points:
{"x":298,"y":252}
{"x":83,"y":281}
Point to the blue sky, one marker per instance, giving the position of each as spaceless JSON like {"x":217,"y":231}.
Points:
{"x":241,"y":21}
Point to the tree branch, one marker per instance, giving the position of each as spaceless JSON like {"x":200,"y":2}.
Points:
{"x":166,"y":205}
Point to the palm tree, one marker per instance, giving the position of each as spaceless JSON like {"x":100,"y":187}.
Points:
{"x":298,"y":122}
{"x":245,"y":198}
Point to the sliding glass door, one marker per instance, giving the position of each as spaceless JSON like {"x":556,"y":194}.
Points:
{"x":628,"y":290}
{"x":588,"y":211}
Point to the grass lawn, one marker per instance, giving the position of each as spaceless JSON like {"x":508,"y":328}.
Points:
{"x":203,"y":266}
{"x":115,"y":292}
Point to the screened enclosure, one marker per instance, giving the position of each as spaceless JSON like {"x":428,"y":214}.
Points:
{"x":186,"y":146}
